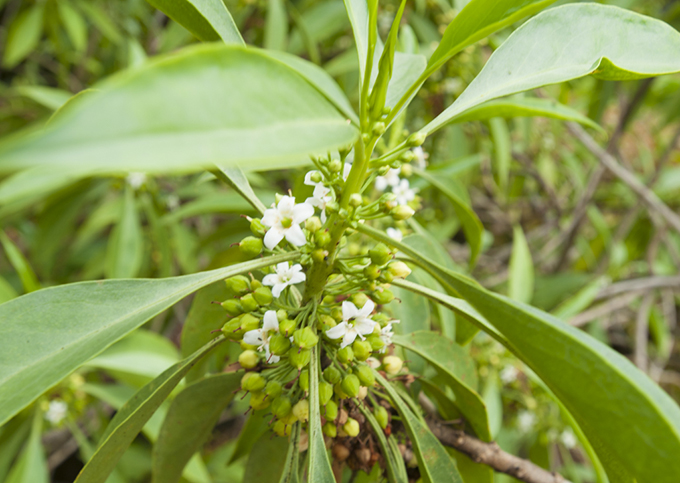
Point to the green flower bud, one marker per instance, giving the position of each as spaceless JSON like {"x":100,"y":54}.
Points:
{"x":335,"y":166}
{"x":396,"y":164}
{"x":319,"y":255}
{"x":248,"y":359}
{"x":351,"y":427}
{"x":273,"y":389}
{"x":337,"y":389}
{"x":372,"y":272}
{"x":386,"y":277}
{"x":281,"y":407}
{"x":257,"y":227}
{"x":279,"y":344}
{"x":378,"y":128}
{"x":406,"y":170}
{"x":346,"y":355}
{"x":259,"y":400}
{"x":407,"y":157}
{"x":232,"y":329}
{"x":331,"y":410}
{"x":381,"y":416}
{"x":362,"y":349}
{"x":322,"y":238}
{"x":332,"y":375}
{"x":250,"y":247}
{"x":255,"y":284}
{"x":238,"y":285}
{"x":316,"y":177}
{"x":248,"y":303}
{"x":249,"y":322}
{"x":343,"y":213}
{"x":254,"y":383}
{"x":233,"y":307}
{"x":246,"y":347}
{"x":303,"y":381}
{"x":332,"y":207}
{"x":325,"y":393}
{"x":313,"y":224}
{"x":325,"y":322}
{"x":355,"y":200}
{"x":282,"y":429}
{"x":359,"y":299}
{"x":299,"y":359}
{"x":336,"y":313}
{"x":305,"y":338}
{"x":365,"y":375}
{"x":380,"y":254}
{"x":350,"y":385}
{"x":286,"y":327}
{"x":301,"y":410}
{"x":382,"y":297}
{"x":392,"y":364}
{"x":330,"y":430}
{"x":402,"y":212}
{"x":398,"y":269}
{"x":263,"y":295}
{"x":376,"y":342}
{"x":281,"y":315}
{"x":416,"y":139}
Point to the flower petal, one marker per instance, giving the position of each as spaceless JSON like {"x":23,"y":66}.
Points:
{"x":349,"y":310}
{"x":301,"y":212}
{"x":337,"y":331}
{"x":271,"y":322}
{"x":253,"y":337}
{"x":350,"y":336}
{"x":271,"y":279}
{"x":278,"y":288}
{"x":270,"y":217}
{"x":295,"y":235}
{"x":282,"y":268}
{"x":367,"y":309}
{"x":273,"y":237}
{"x":365,"y":327}
{"x":297,"y":278}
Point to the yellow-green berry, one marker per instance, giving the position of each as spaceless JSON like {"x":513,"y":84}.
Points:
{"x":281,"y":406}
{"x":248,"y":359}
{"x":325,"y":393}
{"x":238,"y":285}
{"x":301,"y":410}
{"x":381,"y":416}
{"x":299,"y":358}
{"x":365,"y":375}
{"x":362,"y":349}
{"x":273,"y":389}
{"x":255,"y":382}
{"x":402,"y":212}
{"x":303,"y":381}
{"x":350,"y":385}
{"x":257,"y":227}
{"x":305,"y":338}
{"x":248,"y":303}
{"x":250,"y":247}
{"x":332,"y":375}
{"x":346,"y":355}
{"x":330,"y":430}
{"x":398,"y":269}
{"x":279,"y":344}
{"x":392,"y":364}
{"x":331,"y":410}
{"x":263,"y":295}
{"x":233,"y":307}
{"x":259,"y":400}
{"x":351,"y":427}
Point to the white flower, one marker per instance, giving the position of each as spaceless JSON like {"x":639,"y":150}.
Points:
{"x":525,"y":421}
{"x":285,"y":275}
{"x":363,"y":325}
{"x":373,"y":363}
{"x":136,"y":179}
{"x":391,"y":178}
{"x":420,"y":159}
{"x":56,"y":412}
{"x":260,"y":337}
{"x":568,"y":439}
{"x":395,"y":234}
{"x":345,"y":171}
{"x":320,"y":198}
{"x":284,"y":221}
{"x":508,"y":374}
{"x":386,"y":334}
{"x":404,"y":192}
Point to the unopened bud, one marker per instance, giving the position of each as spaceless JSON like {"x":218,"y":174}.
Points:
{"x":380,"y":254}
{"x":248,"y":303}
{"x":263,"y":295}
{"x":416,"y":139}
{"x":257,"y":228}
{"x":407,"y":157}
{"x":355,"y":200}
{"x":402,"y":212}
{"x":351,"y":427}
{"x":382,"y":297}
{"x":399,"y":269}
{"x":322,"y":238}
{"x":248,"y":359}
{"x":335,"y":166}
{"x":362,"y":349}
{"x":372,"y":272}
{"x":359,"y":299}
{"x":305,"y":338}
{"x":279,"y":344}
{"x":313,"y":224}
{"x":350,"y":385}
{"x":406,"y":171}
{"x":301,"y":410}
{"x":363,"y":392}
{"x":250,"y":247}
{"x":392,"y":364}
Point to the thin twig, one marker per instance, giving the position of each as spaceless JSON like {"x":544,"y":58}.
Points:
{"x":639,"y":285}
{"x":604,"y":309}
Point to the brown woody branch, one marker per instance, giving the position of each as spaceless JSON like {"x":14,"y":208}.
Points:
{"x":490,"y":454}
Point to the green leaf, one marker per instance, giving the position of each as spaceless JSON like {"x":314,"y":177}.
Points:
{"x":267,"y":460}
{"x":23,"y":36}
{"x":102,"y":20}
{"x":134,"y":414}
{"x":20,"y":264}
{"x":206,"y":19}
{"x":238,"y":107}
{"x":357,"y":11}
{"x":236,"y":178}
{"x":50,"y":97}
{"x":319,"y":467}
{"x":491,"y":394}
{"x":479,"y":19}
{"x":7,"y":292}
{"x":588,"y":377}
{"x":12,"y":438}
{"x":189,"y":423}
{"x":472,"y":226}
{"x":31,"y":467}
{"x":581,"y":300}
{"x":500,"y":134}
{"x":524,"y":107}
{"x":125,"y":249}
{"x":49,"y":333}
{"x":253,"y":429}
{"x":75,"y":25}
{"x":407,"y":69}
{"x":276,"y":25}
{"x":396,"y":471}
{"x":456,"y":366}
{"x":435,"y":464}
{"x":521,"y":270}
{"x":569,"y":42}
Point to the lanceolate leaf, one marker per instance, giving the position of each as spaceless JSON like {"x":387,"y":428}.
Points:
{"x":569,"y":42}
{"x":472,"y":227}
{"x":20,"y":264}
{"x":479,"y":19}
{"x":319,"y":469}
{"x":453,"y":362}
{"x":189,"y":422}
{"x":521,"y":270}
{"x":206,"y":19}
{"x":435,"y":464}
{"x":236,"y":178}
{"x":134,"y":414}
{"x":126,"y":243}
{"x":357,"y":11}
{"x":588,"y":377}
{"x":186,"y":111}
{"x":267,"y":459}
{"x":49,"y":333}
{"x":31,"y":466}
{"x":524,"y":107}
{"x":396,"y":472}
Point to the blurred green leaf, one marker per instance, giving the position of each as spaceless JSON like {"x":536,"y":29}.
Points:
{"x":20,"y":264}
{"x":23,"y":35}
{"x":276,"y":25}
{"x":31,"y":466}
{"x":75,"y":25}
{"x":267,"y":460}
{"x":521,"y":271}
{"x":50,"y":97}
{"x":126,"y":243}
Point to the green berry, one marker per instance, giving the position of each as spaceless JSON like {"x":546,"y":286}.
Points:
{"x":262,"y":295}
{"x":313,"y":224}
{"x":381,"y":416}
{"x":416,"y":139}
{"x":372,"y":272}
{"x":322,"y":238}
{"x":346,"y":355}
{"x":279,"y":344}
{"x":281,"y":429}
{"x":337,"y":389}
{"x":382,"y":297}
{"x":351,"y":427}
{"x":325,"y":393}
{"x":254,"y":383}
{"x":365,"y":375}
{"x":248,"y":359}
{"x":303,"y":381}
{"x":332,"y":375}
{"x":330,"y":430}
{"x":376,"y":342}
{"x":350,"y":385}
{"x":273,"y":389}
{"x":359,"y":299}
{"x":257,"y":227}
{"x":250,"y":247}
{"x":301,"y":410}
{"x":286,"y":327}
{"x":305,"y":338}
{"x":249,"y":322}
{"x":233,"y":307}
{"x":248,"y":303}
{"x":281,"y":407}
{"x":259,"y":400}
{"x":362,"y":349}
{"x":331,"y":410}
{"x":380,"y":254}
{"x":299,"y":358}
{"x":238,"y":285}
{"x":232,"y":329}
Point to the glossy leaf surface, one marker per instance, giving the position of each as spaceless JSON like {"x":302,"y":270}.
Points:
{"x":319,"y":467}
{"x":49,"y":333}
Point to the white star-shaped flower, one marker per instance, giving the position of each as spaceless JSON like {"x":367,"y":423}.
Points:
{"x":391,"y":178}
{"x":363,"y":325}
{"x":285,"y":275}
{"x":421,"y":156}
{"x":284,"y":220}
{"x":260,"y":337}
{"x":386,"y":334}
{"x":395,"y":234}
{"x":320,"y":198}
{"x":404,"y":192}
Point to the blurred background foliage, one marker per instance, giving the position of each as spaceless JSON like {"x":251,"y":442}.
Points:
{"x":561,"y":233}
